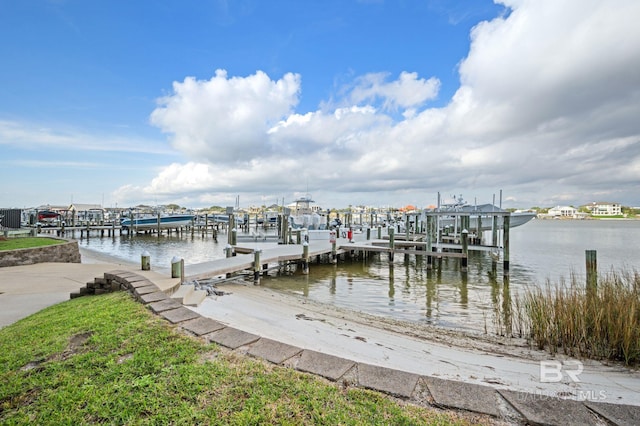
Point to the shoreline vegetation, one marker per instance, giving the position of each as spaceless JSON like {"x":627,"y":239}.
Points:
{"x":107,"y":359}
{"x":597,"y":323}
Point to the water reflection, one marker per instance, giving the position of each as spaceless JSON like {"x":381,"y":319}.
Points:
{"x":444,"y":295}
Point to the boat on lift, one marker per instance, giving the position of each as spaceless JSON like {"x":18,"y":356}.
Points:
{"x":153,"y":222}
{"x":482,"y":213}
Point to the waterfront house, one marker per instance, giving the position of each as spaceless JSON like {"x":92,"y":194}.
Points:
{"x":562,"y":211}
{"x":602,"y":208}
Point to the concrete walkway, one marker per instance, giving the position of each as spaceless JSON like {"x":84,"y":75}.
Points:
{"x":27,"y":289}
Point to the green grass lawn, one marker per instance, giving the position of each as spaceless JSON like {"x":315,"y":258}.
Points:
{"x":107,"y":359}
{"x":27,"y":242}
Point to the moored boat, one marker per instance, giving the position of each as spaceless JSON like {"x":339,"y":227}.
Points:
{"x":153,"y":222}
{"x":303,"y":216}
{"x":484,"y":214}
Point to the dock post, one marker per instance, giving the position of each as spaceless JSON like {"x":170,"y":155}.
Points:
{"x":332,"y":239}
{"x":429,"y":241}
{"x":256,"y":267}
{"x":407,"y":229}
{"x":392,"y":243}
{"x":592,"y":271}
{"x":298,"y":236}
{"x":505,"y":244}
{"x":379,"y":232}
{"x":177,"y":266}
{"x":228,"y":250}
{"x":234,"y":237}
{"x":305,"y":258}
{"x":465,"y":249}
{"x":368,"y":233}
{"x":145,"y":260}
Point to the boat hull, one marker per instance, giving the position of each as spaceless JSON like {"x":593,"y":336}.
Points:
{"x":486,"y":221}
{"x":173,"y":221}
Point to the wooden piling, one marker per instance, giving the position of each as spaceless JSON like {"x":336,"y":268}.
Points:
{"x":429,"y":241}
{"x":305,"y":258}
{"x":256,"y":267}
{"x":334,"y":253}
{"x":465,"y":249}
{"x":505,"y":243}
{"x":407,"y":229}
{"x":392,"y":243}
{"x":592,"y":270}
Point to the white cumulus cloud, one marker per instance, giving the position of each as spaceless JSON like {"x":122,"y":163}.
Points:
{"x":548,"y":103}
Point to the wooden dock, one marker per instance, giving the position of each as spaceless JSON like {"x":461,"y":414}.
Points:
{"x":245,"y":259}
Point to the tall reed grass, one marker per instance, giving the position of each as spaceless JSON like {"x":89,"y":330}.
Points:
{"x":598,"y":323}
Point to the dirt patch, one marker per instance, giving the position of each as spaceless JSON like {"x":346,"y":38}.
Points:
{"x":77,"y":344}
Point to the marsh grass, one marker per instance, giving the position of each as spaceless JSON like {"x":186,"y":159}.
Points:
{"x":106,"y":359}
{"x":603,"y":323}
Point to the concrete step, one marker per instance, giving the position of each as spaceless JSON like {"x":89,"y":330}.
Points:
{"x":183,"y":292}
{"x":195,"y":298}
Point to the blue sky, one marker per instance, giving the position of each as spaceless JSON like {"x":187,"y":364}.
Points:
{"x":356,"y":102}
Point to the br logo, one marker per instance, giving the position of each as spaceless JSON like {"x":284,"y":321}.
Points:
{"x":554,"y":371}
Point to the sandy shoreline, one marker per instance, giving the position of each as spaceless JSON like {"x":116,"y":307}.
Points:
{"x":505,"y":363}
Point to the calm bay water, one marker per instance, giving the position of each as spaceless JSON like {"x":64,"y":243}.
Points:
{"x":541,"y":250}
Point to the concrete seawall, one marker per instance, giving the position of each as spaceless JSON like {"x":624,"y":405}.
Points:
{"x":67,"y":252}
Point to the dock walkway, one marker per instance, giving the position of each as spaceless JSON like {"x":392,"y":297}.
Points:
{"x":240,"y":262}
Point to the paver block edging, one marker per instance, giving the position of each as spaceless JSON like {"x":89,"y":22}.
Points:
{"x":387,"y":380}
{"x":152,"y":288}
{"x":179,"y":315}
{"x":140,"y":283}
{"x":163,"y":305}
{"x":201,"y":326}
{"x":232,"y":338}
{"x":622,"y":415}
{"x":328,"y":366}
{"x":462,"y":395}
{"x":273,"y":351}
{"x":153,"y":297}
{"x":547,"y":410}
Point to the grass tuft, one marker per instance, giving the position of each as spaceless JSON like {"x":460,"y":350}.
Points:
{"x":599,"y":324}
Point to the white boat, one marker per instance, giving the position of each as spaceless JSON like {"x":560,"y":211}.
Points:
{"x":448,"y":214}
{"x":153,"y":222}
{"x":303,"y":216}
